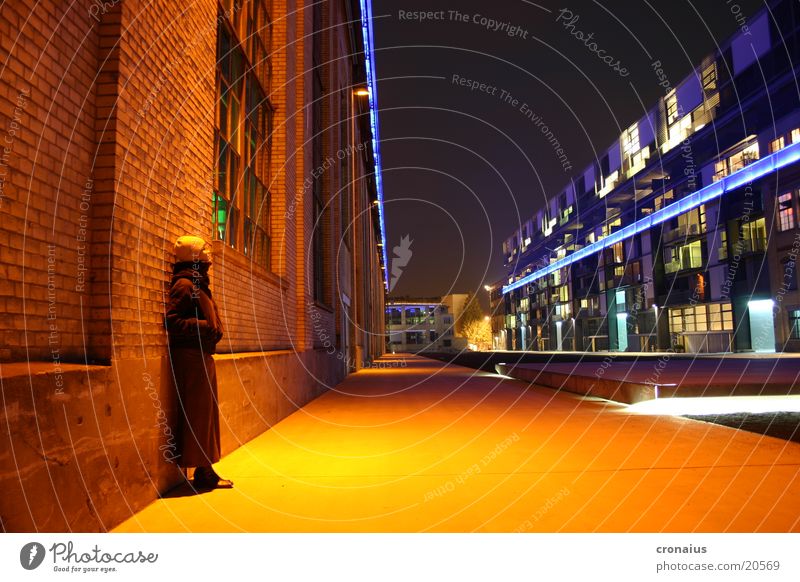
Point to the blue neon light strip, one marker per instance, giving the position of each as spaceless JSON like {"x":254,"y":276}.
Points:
{"x":746,"y":175}
{"x":372,"y":84}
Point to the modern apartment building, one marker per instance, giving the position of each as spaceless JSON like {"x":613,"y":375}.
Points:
{"x":684,"y":234}
{"x":417,"y":325}
{"x":251,"y":123}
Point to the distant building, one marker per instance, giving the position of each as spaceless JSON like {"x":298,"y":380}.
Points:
{"x":684,"y":235}
{"x":425,"y":324}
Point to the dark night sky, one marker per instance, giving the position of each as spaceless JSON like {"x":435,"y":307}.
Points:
{"x":461,"y":168}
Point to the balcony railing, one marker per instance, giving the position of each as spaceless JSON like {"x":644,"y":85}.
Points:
{"x":683,"y":231}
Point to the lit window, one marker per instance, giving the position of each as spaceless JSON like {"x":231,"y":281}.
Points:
{"x":710,"y":78}
{"x":776,"y":144}
{"x":795,"y":135}
{"x":785,"y":212}
{"x":665,"y":200}
{"x":722,"y":251}
{"x":243,"y":123}
{"x":672,"y":108}
{"x":630,"y":140}
{"x":794,"y":324}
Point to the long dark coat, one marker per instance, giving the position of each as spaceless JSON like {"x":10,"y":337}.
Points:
{"x":194,"y":329}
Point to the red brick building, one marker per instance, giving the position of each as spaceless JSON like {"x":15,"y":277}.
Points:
{"x":124,"y":124}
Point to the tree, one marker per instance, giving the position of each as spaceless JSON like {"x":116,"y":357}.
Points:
{"x":472,"y":312}
{"x":479,"y":334}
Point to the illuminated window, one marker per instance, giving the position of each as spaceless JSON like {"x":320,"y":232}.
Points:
{"x":755,"y":235}
{"x":720,"y":317}
{"x":241,"y":202}
{"x":662,"y":201}
{"x":630,"y":140}
{"x":722,"y":251}
{"x":736,"y":162}
{"x":618,"y":252}
{"x":776,"y":144}
{"x":688,"y":256}
{"x":795,"y":135}
{"x":701,"y":318}
{"x":785,"y":212}
{"x":709,"y":78}
{"x":692,"y":222}
{"x":794,"y":323}
{"x":672,"y":108}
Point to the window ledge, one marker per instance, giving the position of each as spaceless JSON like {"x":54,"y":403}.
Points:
{"x":16,"y":369}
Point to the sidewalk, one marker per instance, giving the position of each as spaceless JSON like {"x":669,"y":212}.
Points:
{"x":429,"y":447}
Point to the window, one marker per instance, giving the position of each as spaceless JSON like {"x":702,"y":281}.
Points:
{"x":709,"y":78}
{"x":785,"y":212}
{"x":672,"y":108}
{"x":794,"y":323}
{"x":701,"y":318}
{"x":736,"y":162}
{"x":754,"y":235}
{"x":688,"y":256}
{"x":776,"y":144}
{"x":630,"y":140}
{"x":415,"y":337}
{"x":241,"y":202}
{"x":722,"y":251}
{"x":720,"y":317}
{"x":795,"y":135}
{"x":395,"y":316}
{"x":416,"y":315}
{"x":317,"y":152}
{"x":664,"y":200}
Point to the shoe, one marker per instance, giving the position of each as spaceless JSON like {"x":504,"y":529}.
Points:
{"x":207,"y":478}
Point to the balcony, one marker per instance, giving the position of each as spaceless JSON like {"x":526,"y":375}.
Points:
{"x":682,"y":232}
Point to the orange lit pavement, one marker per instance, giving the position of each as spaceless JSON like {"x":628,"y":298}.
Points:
{"x":429,"y":447}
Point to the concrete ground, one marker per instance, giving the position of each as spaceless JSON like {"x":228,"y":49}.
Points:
{"x":421,"y":446}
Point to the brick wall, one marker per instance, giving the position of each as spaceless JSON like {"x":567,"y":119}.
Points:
{"x":47,"y":111}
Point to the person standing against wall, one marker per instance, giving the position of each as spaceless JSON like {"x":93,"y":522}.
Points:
{"x":194,"y":329}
